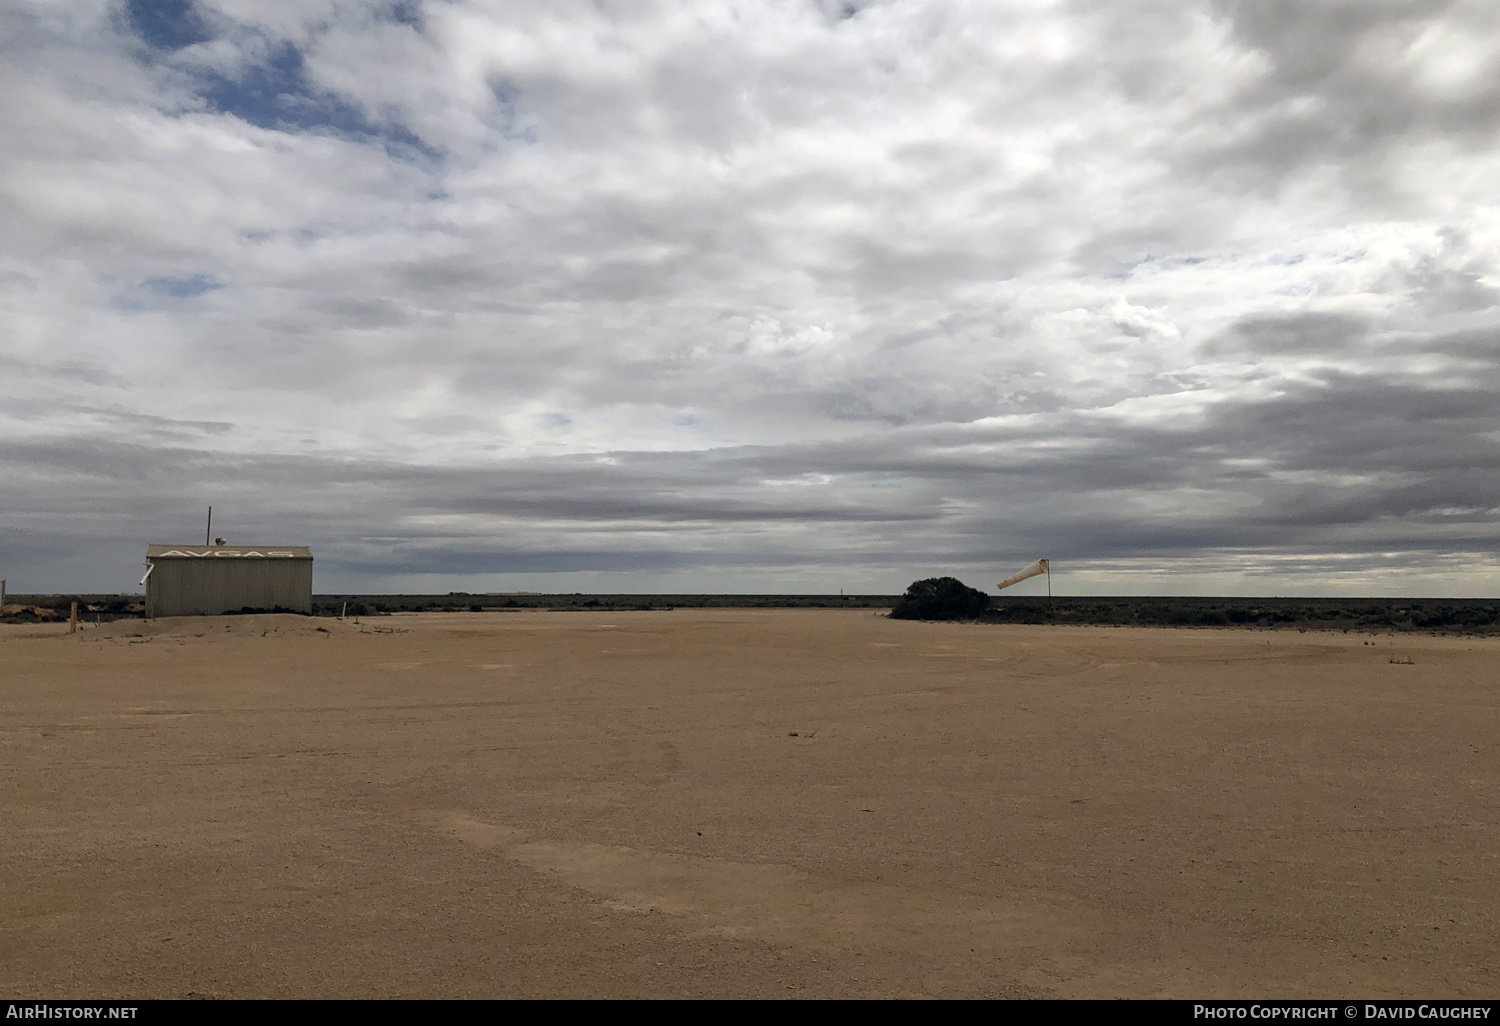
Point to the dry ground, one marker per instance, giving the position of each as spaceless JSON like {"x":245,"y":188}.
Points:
{"x":727,"y":803}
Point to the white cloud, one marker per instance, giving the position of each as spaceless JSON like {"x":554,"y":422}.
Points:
{"x":536,"y":230}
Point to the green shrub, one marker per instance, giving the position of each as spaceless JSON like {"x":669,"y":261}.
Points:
{"x":940,"y":598}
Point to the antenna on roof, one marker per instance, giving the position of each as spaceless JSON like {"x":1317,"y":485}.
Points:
{"x":209,"y":530}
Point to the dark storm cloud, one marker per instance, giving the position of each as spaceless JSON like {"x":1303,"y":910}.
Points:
{"x":1338,"y":91}
{"x":1357,"y":465}
{"x":1311,"y":332}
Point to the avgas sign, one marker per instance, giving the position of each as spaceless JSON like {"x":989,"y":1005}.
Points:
{"x":229,"y":554}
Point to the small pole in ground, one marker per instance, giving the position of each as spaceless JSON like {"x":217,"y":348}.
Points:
{"x":344,"y":610}
{"x":73,"y":620}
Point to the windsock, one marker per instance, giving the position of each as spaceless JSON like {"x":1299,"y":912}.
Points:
{"x":1039,"y":567}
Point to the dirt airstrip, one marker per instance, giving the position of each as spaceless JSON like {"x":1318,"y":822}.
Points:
{"x":744,"y":803}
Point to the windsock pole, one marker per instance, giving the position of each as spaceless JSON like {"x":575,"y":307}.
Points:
{"x":1040,"y":566}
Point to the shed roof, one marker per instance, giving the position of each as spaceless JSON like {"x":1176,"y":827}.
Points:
{"x":228,"y":552}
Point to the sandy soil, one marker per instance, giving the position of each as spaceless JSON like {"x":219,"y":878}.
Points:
{"x":743,"y":803}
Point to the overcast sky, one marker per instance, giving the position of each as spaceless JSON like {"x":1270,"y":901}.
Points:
{"x":1190,"y":296}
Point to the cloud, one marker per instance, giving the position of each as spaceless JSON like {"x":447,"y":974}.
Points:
{"x":184,"y":286}
{"x":780,"y":291}
{"x":1292,"y":333}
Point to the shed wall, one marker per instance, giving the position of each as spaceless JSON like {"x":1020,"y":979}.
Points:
{"x":197,"y":587}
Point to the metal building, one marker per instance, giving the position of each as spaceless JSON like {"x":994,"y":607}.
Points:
{"x":197,"y":580}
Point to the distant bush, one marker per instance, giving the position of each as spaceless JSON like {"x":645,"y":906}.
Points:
{"x":940,"y":598}
{"x":1017,"y":612}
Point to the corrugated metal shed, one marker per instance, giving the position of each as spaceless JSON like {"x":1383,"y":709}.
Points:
{"x":193,"y":580}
